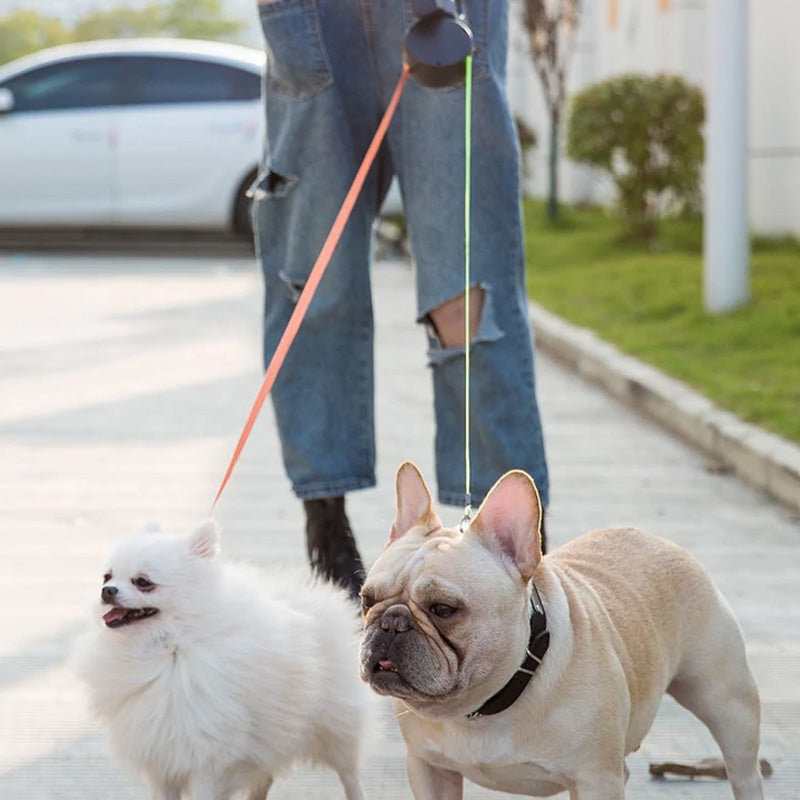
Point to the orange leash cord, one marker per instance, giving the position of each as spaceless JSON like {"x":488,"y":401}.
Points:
{"x":317,"y":271}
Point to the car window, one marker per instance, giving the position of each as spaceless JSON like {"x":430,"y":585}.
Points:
{"x":182,"y":80}
{"x":245,"y":85}
{"x":76,"y":83}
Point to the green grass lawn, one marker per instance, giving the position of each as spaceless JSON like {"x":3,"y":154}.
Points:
{"x":649,"y":303}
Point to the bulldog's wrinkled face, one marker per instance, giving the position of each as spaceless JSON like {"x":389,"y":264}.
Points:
{"x":446,"y":612}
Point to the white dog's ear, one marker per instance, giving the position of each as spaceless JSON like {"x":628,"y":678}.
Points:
{"x":204,"y":542}
{"x":508,"y":521}
{"x":413,"y":502}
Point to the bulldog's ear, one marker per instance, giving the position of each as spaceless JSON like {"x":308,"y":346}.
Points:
{"x":204,"y":542}
{"x":508,"y":521}
{"x":413,"y":502}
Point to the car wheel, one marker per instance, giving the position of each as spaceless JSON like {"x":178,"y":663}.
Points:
{"x":243,"y":209}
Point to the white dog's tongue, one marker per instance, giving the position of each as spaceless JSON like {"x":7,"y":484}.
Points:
{"x":115,"y":614}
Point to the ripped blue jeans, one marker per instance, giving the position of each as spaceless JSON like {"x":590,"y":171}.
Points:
{"x":331,"y":68}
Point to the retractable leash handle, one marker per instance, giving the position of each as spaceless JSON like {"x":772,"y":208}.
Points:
{"x":438,"y":43}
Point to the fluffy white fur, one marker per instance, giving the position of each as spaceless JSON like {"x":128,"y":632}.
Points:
{"x":234,"y":678}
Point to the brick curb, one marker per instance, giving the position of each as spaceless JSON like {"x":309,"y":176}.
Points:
{"x":762,"y":459}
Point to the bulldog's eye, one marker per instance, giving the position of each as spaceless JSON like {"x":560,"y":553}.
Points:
{"x":442,"y":610}
{"x":142,"y":583}
{"x":367,"y":601}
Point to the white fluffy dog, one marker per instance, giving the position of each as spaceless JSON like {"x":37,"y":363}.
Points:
{"x":211,"y":681}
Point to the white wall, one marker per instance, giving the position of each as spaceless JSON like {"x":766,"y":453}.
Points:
{"x":648,"y":40}
{"x":774,"y":99}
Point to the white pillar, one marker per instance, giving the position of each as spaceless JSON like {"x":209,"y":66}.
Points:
{"x":726,"y":241}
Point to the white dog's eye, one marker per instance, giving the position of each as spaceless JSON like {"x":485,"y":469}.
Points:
{"x":442,"y":610}
{"x":143,"y":583}
{"x":107,"y":577}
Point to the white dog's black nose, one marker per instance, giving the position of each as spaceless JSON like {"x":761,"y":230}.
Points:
{"x":109,"y":593}
{"x":397,"y":619}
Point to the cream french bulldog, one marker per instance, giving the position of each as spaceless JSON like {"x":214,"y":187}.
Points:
{"x":536,"y":675}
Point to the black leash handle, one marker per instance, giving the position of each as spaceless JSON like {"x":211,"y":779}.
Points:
{"x":438,"y":43}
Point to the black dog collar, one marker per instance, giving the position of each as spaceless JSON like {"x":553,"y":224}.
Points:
{"x":537,"y":647}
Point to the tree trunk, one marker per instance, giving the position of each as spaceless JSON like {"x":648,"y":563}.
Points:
{"x":552,"y":196}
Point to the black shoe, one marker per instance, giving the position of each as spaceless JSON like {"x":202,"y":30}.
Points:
{"x":331,"y":547}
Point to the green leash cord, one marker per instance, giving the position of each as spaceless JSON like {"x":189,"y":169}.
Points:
{"x":467,"y":287}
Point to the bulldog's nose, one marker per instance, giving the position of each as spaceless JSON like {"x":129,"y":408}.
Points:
{"x":109,"y":593}
{"x":397,"y":619}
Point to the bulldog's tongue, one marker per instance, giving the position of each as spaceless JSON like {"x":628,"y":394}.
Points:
{"x":386,"y":665}
{"x":115,"y":614}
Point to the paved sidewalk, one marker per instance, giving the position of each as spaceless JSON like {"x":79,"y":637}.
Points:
{"x":125,"y":382}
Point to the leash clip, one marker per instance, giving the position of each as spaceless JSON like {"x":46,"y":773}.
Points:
{"x":467,"y":518}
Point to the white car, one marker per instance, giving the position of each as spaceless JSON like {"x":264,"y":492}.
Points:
{"x":131,"y":133}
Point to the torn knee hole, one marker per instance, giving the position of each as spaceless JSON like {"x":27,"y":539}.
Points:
{"x":271,"y":184}
{"x":447,"y":320}
{"x":276,"y":182}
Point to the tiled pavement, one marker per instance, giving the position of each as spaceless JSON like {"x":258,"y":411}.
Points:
{"x":125,"y":382}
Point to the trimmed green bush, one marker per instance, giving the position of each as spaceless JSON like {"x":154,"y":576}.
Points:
{"x":645,"y":133}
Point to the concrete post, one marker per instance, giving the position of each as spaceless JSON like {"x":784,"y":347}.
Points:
{"x":726,"y":241}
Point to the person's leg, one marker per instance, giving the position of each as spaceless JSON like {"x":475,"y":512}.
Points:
{"x":505,"y":427}
{"x":321,"y":113}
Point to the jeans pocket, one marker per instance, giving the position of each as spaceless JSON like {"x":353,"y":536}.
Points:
{"x":297,"y":63}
